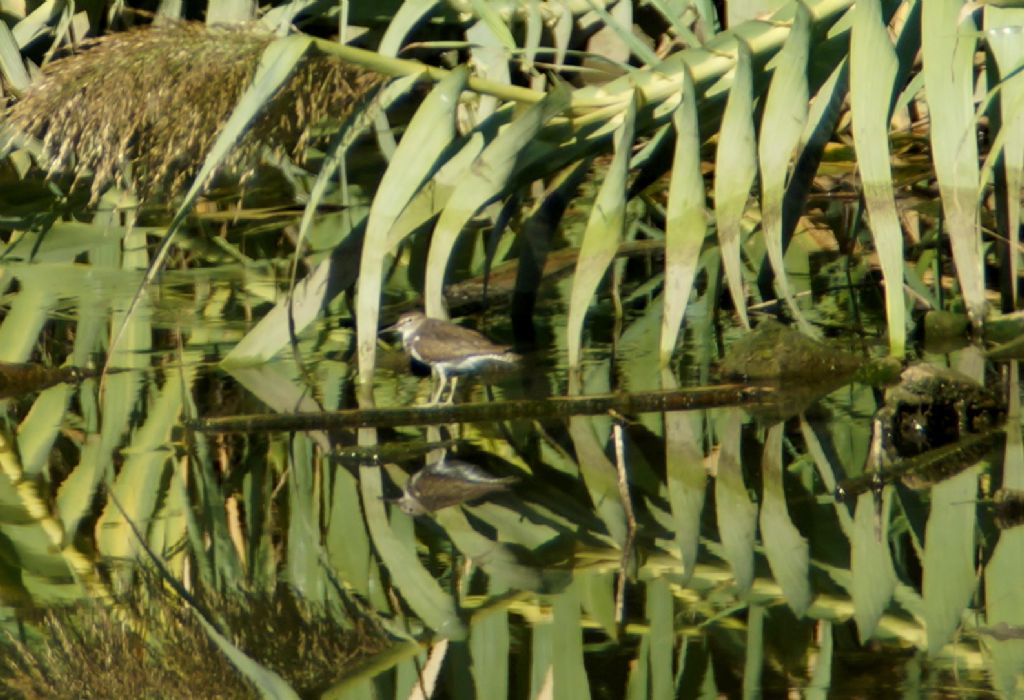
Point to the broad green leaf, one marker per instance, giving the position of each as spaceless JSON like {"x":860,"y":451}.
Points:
{"x":561,"y":32}
{"x":735,"y":170}
{"x":753,"y":663}
{"x":11,"y":64}
{"x":597,"y":595}
{"x":1004,"y":596}
{"x":787,"y":550}
{"x":307,"y":298}
{"x":1002,"y":37}
{"x":604,"y":232}
{"x":541,"y":663}
{"x":674,"y":12}
{"x":486,"y":180}
{"x":736,"y":514}
{"x":637,"y":687}
{"x":417,"y":586}
{"x":570,"y":676}
{"x":489,"y":648}
{"x":620,"y":21}
{"x":949,"y":549}
{"x":24,"y":320}
{"x":599,"y":475}
{"x":589,"y":436}
{"x":489,"y":56}
{"x":493,"y":21}
{"x":785,"y":113}
{"x":410,"y":14}
{"x":37,"y":23}
{"x":493,"y":557}
{"x":826,"y":473}
{"x":347,"y":542}
{"x":430,"y":133}
{"x":39,"y":429}
{"x":531,"y":41}
{"x":685,"y":219}
{"x":121,"y":390}
{"x":169,"y":529}
{"x":50,"y":570}
{"x":821,"y":675}
{"x":686,"y":477}
{"x":948,"y":48}
{"x":873,"y":69}
{"x":661,"y":617}
{"x":230,"y":11}
{"x":302,"y":564}
{"x":65,"y":240}
{"x":271,"y":333}
{"x":138,"y":485}
{"x":871,"y":563}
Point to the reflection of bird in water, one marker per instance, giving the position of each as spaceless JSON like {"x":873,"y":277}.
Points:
{"x":448,"y":482}
{"x":1008,"y":507}
{"x":448,"y":349}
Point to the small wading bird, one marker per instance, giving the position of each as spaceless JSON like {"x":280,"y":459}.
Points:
{"x":449,"y":350}
{"x":448,"y":482}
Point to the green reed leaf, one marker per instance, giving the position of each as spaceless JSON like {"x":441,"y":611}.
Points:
{"x":873,"y":68}
{"x":604,"y":232}
{"x":735,"y":170}
{"x":486,"y":180}
{"x":685,"y":219}
{"x":737,"y":515}
{"x":786,"y":549}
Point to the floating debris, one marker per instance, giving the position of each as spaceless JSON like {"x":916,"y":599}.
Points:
{"x":448,"y":482}
{"x":773,"y":351}
{"x":924,"y":470}
{"x":932,"y":407}
{"x":933,"y":425}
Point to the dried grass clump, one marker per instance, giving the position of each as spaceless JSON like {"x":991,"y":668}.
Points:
{"x":141,"y":109}
{"x":92,"y":652}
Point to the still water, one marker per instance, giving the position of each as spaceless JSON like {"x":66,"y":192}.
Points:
{"x":697,"y":553}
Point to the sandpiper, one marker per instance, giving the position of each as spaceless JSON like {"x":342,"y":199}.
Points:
{"x":449,"y":350}
{"x":448,"y":482}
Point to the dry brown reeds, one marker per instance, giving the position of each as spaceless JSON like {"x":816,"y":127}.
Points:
{"x":90,"y":651}
{"x":140,"y":109}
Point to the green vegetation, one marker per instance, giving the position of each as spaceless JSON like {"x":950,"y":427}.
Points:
{"x":220,"y":206}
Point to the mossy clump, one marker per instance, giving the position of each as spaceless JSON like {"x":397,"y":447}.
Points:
{"x":141,"y":109}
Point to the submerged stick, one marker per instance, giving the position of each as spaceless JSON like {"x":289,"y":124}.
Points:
{"x":553,"y":407}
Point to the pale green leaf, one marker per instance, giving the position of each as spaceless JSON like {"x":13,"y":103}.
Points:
{"x":486,"y":180}
{"x":601,"y":239}
{"x":737,"y":515}
{"x":685,"y":219}
{"x":735,"y":170}
{"x":787,"y":550}
{"x":873,"y":69}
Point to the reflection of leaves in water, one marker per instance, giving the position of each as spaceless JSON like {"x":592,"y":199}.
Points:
{"x":155,"y":648}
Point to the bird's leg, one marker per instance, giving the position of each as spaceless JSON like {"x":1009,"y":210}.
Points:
{"x":441,"y":379}
{"x":451,"y":393}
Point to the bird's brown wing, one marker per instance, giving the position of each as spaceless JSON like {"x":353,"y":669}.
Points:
{"x":440,"y":341}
